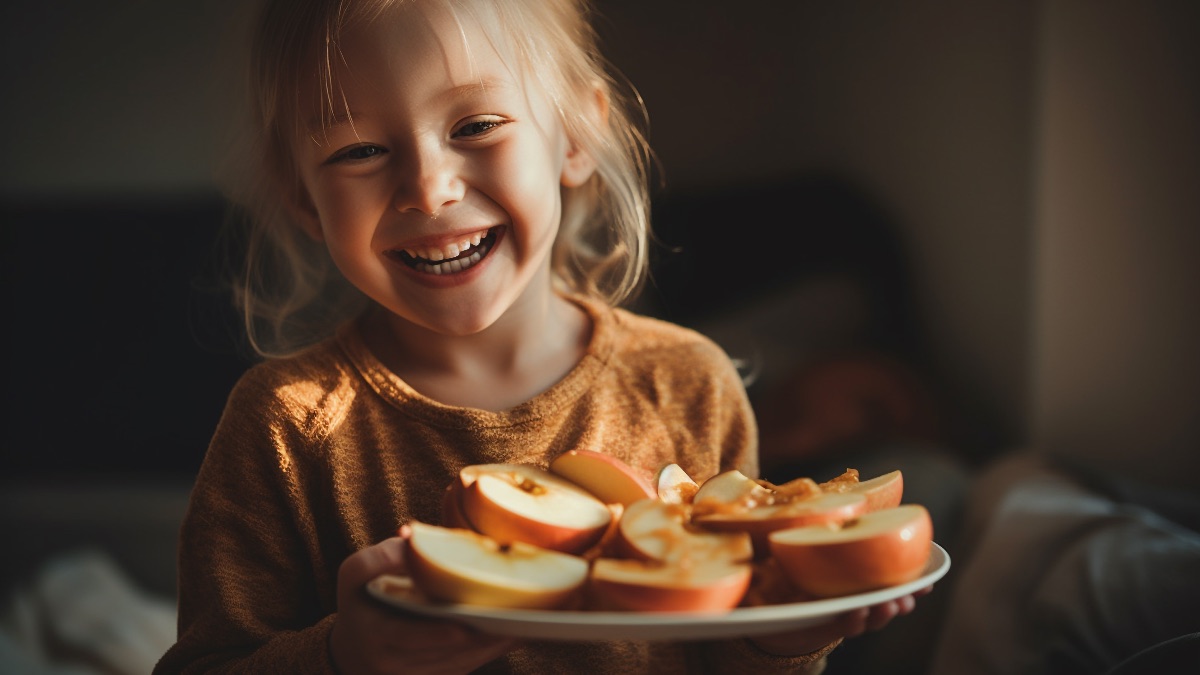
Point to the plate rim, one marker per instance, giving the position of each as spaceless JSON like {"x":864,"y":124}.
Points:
{"x":612,"y":625}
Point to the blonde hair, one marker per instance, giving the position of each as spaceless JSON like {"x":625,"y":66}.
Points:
{"x":290,"y":293}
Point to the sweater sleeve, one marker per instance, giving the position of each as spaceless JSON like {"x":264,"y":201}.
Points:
{"x":249,"y":595}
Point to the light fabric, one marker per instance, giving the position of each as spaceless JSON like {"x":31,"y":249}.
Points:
{"x":1062,"y":578}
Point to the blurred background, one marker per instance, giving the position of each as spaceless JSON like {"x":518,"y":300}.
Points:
{"x":998,"y":198}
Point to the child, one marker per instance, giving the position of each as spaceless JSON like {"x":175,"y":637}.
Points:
{"x":454,"y":201}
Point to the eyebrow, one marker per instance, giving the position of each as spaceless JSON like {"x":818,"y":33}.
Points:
{"x":324,"y":122}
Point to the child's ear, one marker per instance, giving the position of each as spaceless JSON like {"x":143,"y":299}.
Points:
{"x":578,"y":168}
{"x":580,"y":165}
{"x":305,"y":214}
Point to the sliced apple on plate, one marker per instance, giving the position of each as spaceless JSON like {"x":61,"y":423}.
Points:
{"x":880,"y":549}
{"x":461,"y":566}
{"x":522,"y":502}
{"x":761,"y":521}
{"x":673,"y":485}
{"x":882,"y":492}
{"x":733,"y":502}
{"x":655,"y":530}
{"x":731,"y":490}
{"x":608,"y":478}
{"x":712,"y":585}
{"x":452,"y":511}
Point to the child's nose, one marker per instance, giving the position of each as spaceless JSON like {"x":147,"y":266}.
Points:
{"x":428,"y":182}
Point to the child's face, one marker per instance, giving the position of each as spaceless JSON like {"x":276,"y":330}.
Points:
{"x":449,"y":153}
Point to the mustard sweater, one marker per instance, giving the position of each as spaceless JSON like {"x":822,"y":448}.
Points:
{"x":322,"y":454}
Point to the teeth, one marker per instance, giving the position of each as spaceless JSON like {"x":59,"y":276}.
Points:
{"x":452,"y":266}
{"x":452,"y":250}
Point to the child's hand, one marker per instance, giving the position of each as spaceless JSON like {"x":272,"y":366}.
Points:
{"x":368,"y":638}
{"x":848,"y":625}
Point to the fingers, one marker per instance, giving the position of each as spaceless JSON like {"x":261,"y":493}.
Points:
{"x":368,"y":637}
{"x":808,"y":640}
{"x":853,"y":623}
{"x":386,"y":557}
{"x":846,"y":625}
{"x":882,"y":614}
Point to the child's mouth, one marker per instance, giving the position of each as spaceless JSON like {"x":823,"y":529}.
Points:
{"x":450,"y":259}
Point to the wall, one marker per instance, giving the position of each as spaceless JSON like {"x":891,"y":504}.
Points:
{"x":1117,"y":320}
{"x":109,"y":99}
{"x":928,"y":105}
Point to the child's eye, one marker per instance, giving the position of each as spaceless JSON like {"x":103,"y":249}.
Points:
{"x":478,"y":128}
{"x":357,"y":153}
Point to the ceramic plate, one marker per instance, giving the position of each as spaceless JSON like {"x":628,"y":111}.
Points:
{"x":573,"y":625}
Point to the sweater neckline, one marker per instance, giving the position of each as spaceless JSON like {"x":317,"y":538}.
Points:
{"x":399,"y":394}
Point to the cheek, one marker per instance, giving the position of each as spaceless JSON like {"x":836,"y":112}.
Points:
{"x":349,"y":210}
{"x":528,"y":179}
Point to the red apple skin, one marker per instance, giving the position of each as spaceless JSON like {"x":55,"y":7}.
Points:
{"x":452,"y":513}
{"x":495,"y":520}
{"x":884,"y":491}
{"x":648,"y":586}
{"x":759,"y":522}
{"x":609,"y":478}
{"x":883,"y":548}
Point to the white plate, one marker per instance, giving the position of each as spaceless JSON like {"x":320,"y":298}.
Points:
{"x":572,"y":625}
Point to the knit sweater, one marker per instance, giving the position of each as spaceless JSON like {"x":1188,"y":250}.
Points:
{"x":322,"y":454}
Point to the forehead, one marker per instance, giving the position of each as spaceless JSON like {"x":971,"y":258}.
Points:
{"x":422,"y":45}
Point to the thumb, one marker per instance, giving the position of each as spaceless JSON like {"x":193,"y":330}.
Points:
{"x":386,"y":557}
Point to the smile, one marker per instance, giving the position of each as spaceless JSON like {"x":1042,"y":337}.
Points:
{"x":449,"y":259}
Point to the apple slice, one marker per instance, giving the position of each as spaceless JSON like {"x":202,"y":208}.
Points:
{"x":655,"y":530}
{"x":761,"y":521}
{"x":712,"y":585}
{"x":522,"y":502}
{"x":880,"y":549}
{"x":882,"y":492}
{"x":452,"y":511}
{"x":461,"y":566}
{"x":609,"y":543}
{"x":608,"y":478}
{"x":731,"y":490}
{"x":674,"y":486}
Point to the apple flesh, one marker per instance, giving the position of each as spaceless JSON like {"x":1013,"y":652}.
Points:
{"x":522,"y":502}
{"x":655,"y":530}
{"x":608,"y":478}
{"x":882,"y":548}
{"x":731,"y":490}
{"x":649,"y":586}
{"x":673,"y":485}
{"x":461,"y":566}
